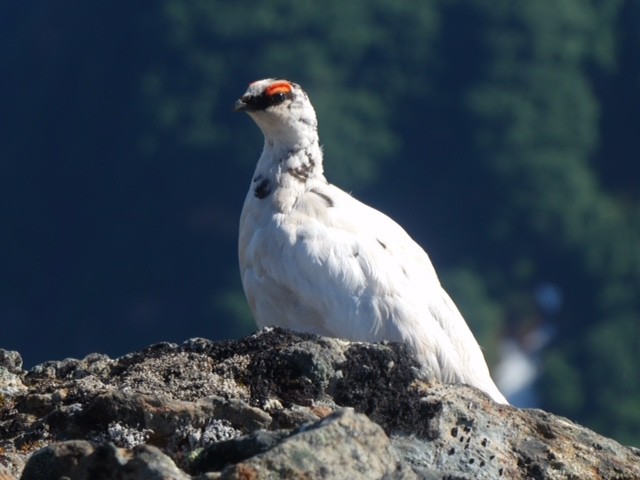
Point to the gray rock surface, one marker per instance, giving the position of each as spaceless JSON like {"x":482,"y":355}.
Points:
{"x":277,"y":405}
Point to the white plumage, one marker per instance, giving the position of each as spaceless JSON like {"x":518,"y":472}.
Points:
{"x":314,"y":259}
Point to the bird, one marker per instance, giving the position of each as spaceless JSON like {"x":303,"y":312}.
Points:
{"x":314,"y":259}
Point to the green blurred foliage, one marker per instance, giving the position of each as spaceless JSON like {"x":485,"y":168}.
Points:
{"x":502,"y":135}
{"x":217,"y":48}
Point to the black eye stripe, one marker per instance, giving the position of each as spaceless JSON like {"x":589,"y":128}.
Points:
{"x":263,"y":101}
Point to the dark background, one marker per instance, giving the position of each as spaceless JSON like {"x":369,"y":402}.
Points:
{"x":502,"y":135}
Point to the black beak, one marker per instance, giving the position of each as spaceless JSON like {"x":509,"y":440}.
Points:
{"x":240,"y":105}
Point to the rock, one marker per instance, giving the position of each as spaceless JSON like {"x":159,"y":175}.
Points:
{"x":10,"y":374}
{"x":343,"y":445}
{"x":5,"y":474}
{"x":56,"y":461}
{"x":143,"y":462}
{"x":11,"y":361}
{"x":78,"y":460}
{"x":278,"y":402}
{"x":221,"y":454}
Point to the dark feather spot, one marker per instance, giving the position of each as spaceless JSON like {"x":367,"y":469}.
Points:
{"x":381,"y":243}
{"x":263,"y":189}
{"x":302,"y":172}
{"x":326,"y":198}
{"x":307,"y":121}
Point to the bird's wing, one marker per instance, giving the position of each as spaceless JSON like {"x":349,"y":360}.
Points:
{"x":401,"y":277}
{"x":348,"y":270}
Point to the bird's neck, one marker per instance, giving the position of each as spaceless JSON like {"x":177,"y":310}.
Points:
{"x":287,"y":162}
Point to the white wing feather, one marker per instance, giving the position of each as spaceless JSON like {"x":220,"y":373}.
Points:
{"x":331,"y":265}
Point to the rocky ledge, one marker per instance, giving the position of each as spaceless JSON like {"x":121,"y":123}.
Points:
{"x":277,"y":405}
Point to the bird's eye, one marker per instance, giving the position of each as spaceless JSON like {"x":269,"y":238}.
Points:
{"x":278,"y":98}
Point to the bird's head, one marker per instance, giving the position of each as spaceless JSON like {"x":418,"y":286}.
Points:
{"x":281,"y":109}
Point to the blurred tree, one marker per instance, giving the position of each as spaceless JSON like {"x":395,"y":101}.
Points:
{"x":350,"y":57}
{"x":537,"y":131}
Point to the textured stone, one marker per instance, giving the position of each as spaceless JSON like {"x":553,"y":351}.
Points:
{"x":10,"y":374}
{"x":221,"y":454}
{"x":11,"y":361}
{"x":56,"y":461}
{"x":275,"y":402}
{"x":143,"y":462}
{"x":343,"y":445}
{"x":5,"y":474}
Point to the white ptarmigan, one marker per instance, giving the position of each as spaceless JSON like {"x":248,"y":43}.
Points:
{"x":314,"y":259}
